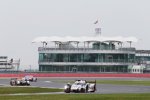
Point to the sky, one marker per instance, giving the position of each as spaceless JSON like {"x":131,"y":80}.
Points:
{"x":23,"y":20}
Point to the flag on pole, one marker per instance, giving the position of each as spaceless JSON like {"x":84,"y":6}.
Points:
{"x":96,"y":22}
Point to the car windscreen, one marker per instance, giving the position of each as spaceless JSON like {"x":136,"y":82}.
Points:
{"x":78,"y":83}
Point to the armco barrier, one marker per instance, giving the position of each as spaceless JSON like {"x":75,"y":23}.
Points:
{"x":73,"y":75}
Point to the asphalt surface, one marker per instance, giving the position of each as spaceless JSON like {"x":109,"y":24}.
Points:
{"x":101,"y":88}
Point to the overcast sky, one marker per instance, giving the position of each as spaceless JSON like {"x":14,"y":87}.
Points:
{"x":23,"y":20}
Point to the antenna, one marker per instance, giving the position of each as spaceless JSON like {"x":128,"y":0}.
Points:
{"x":44,"y":43}
{"x":130,"y":42}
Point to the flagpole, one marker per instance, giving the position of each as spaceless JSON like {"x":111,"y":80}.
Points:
{"x":98,"y":28}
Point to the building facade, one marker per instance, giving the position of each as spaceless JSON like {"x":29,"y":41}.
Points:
{"x":143,"y":57}
{"x":86,"y":56}
{"x":8,"y":64}
{"x":5,"y":63}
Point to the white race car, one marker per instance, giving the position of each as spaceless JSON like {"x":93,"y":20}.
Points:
{"x":30,"y":78}
{"x":80,"y":86}
{"x":18,"y":82}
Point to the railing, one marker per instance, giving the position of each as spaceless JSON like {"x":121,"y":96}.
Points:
{"x":120,"y":49}
{"x":84,"y":63}
{"x":100,"y":61}
{"x":85,"y":50}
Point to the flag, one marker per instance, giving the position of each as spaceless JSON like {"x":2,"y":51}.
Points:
{"x":96,"y":22}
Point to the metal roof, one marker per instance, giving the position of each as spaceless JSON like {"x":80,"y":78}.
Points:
{"x":84,"y":39}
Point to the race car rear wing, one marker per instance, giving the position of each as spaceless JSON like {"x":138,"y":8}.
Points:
{"x":91,"y":81}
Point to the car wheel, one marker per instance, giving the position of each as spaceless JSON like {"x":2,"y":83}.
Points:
{"x":13,"y":83}
{"x":86,"y":90}
{"x":35,"y":80}
{"x":82,"y":90}
{"x":67,"y":90}
{"x":28,"y":84}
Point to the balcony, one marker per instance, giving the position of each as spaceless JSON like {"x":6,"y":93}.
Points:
{"x":101,"y":62}
{"x":84,"y":63}
{"x":85,"y":50}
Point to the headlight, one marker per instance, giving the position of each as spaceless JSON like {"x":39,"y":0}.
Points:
{"x":18,"y":82}
{"x":28,"y":82}
{"x":65,"y":87}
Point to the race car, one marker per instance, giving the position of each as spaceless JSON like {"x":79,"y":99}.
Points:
{"x":30,"y":78}
{"x":80,"y":86}
{"x":19,"y":82}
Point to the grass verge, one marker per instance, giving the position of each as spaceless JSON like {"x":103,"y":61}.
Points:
{"x":13,"y":90}
{"x":80,"y":97}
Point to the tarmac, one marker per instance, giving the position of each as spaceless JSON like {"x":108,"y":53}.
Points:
{"x":57,"y":82}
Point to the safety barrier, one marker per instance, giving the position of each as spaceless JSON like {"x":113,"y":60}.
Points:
{"x":2,"y":75}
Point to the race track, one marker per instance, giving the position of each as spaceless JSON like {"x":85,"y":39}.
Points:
{"x":101,"y":88}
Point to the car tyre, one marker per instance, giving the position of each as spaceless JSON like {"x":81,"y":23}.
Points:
{"x":67,"y":90}
{"x":86,"y":90}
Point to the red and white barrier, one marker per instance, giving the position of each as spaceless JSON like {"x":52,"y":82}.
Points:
{"x":73,"y":75}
